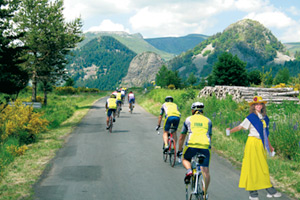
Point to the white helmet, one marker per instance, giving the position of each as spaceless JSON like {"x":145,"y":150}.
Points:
{"x":197,"y":106}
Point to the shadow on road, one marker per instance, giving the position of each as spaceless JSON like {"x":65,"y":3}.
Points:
{"x":120,"y":131}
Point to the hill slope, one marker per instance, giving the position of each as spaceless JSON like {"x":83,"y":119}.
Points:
{"x":248,"y":39}
{"x":177,"y":45}
{"x":134,"y":42}
{"x":101,"y":63}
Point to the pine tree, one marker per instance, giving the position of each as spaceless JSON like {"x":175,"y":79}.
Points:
{"x":13,"y":77}
{"x":49,"y":39}
{"x":229,"y":70}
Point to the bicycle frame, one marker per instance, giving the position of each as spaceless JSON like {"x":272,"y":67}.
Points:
{"x":172,"y":148}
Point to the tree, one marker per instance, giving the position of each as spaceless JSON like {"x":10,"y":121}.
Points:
{"x":282,"y":76}
{"x":49,"y":40}
{"x":70,"y":82}
{"x":166,"y":77}
{"x":192,"y":79}
{"x":254,"y":77}
{"x":161,"y":75}
{"x":13,"y":77}
{"x":266,"y":77}
{"x":229,"y":70}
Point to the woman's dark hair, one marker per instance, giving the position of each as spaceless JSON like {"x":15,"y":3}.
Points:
{"x":263,"y":110}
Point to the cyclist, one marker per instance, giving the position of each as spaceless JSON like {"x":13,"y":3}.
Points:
{"x":199,"y":129}
{"x":122,"y":94}
{"x":111,"y":106}
{"x":119,"y":99}
{"x":172,"y":116}
{"x":131,"y":99}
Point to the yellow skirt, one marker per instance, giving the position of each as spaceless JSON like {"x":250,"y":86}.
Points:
{"x":255,"y":171}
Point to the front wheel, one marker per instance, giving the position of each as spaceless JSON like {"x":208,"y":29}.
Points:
{"x":172,"y":152}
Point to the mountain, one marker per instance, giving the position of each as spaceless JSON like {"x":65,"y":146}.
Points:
{"x":293,"y":46}
{"x":177,"y":45}
{"x":100,"y":63}
{"x":248,"y":39}
{"x":142,"y":69}
{"x":134,"y":42}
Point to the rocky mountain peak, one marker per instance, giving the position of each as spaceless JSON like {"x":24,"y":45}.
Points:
{"x":142,"y":69}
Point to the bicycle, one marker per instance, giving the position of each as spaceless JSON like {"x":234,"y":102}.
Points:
{"x":110,"y":123}
{"x":197,"y":186}
{"x":171,"y":152}
{"x":131,"y":108}
{"x":118,"y":110}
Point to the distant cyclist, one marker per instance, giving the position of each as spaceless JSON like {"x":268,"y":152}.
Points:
{"x":123,"y":94}
{"x":119,"y":99}
{"x":111,"y":106}
{"x":172,"y":116}
{"x":131,"y":99}
{"x":199,"y":129}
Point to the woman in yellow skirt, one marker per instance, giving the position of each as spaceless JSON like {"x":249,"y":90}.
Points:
{"x":255,"y":171}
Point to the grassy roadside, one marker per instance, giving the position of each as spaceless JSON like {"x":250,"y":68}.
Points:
{"x":284,"y":173}
{"x":25,"y":170}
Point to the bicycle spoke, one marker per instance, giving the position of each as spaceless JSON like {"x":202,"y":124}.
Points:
{"x":172,"y":152}
{"x":165,"y":154}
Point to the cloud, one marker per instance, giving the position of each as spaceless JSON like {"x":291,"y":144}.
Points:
{"x":293,"y":10}
{"x":156,"y":18}
{"x":275,"y":19}
{"x":250,"y":6}
{"x":292,"y":34}
{"x":108,"y":25}
{"x":89,"y":8}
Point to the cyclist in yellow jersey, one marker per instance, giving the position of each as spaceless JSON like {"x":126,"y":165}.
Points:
{"x":119,"y":98}
{"x":199,"y":129}
{"x":111,"y":106}
{"x":172,"y":116}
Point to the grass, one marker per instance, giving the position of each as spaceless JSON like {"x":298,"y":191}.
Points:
{"x":19,"y":176}
{"x":284,"y":169}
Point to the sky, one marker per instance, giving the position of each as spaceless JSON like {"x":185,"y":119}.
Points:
{"x":165,"y":18}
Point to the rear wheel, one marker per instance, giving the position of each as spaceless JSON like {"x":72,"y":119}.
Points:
{"x":118,"y":111}
{"x":172,"y":152}
{"x":110,"y":124}
{"x":165,"y":154}
{"x":131,"y":108}
{"x":199,"y":195}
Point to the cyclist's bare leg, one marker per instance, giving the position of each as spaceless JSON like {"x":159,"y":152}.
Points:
{"x":205,"y":171}
{"x":107,"y":120}
{"x":165,"y":137}
{"x":175,"y":137}
{"x":187,"y":164}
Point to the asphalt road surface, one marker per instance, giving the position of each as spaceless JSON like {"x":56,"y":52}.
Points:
{"x":126,"y":164}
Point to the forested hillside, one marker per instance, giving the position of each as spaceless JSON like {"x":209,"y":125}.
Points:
{"x":101,"y":63}
{"x":177,"y":45}
{"x":134,"y":42}
{"x":248,"y":39}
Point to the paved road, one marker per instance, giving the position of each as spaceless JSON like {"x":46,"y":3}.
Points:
{"x":125,"y":164}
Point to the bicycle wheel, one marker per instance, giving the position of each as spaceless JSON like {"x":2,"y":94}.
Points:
{"x":118,"y":111}
{"x":201,"y":186}
{"x":131,"y":108}
{"x":172,"y":152}
{"x":199,"y":193}
{"x":110,"y":124}
{"x":165,"y":154}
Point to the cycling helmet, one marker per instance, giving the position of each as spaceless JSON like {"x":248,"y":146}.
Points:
{"x":197,"y":106}
{"x":112,"y":96}
{"x":169,"y":99}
